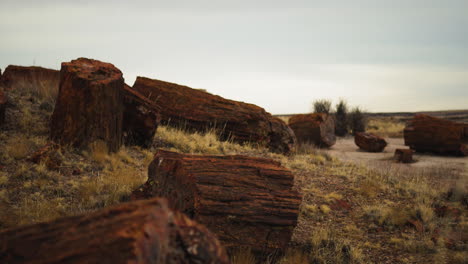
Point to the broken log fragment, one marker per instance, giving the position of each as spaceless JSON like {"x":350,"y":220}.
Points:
{"x":369,"y":142}
{"x":318,"y":129}
{"x":195,"y":110}
{"x":140,"y":118}
{"x":246,"y":201}
{"x":404,"y":155}
{"x":137,"y":232}
{"x":89,"y":106}
{"x":430,"y":134}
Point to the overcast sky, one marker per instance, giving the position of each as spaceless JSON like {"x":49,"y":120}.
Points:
{"x":281,"y":55}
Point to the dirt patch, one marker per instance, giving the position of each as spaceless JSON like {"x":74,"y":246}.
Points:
{"x":345,"y":149}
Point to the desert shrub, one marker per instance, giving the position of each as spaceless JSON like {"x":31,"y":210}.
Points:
{"x":357,"y":120}
{"x":341,"y":116}
{"x":322,"y":106}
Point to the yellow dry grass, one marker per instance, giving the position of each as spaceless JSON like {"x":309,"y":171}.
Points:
{"x":386,"y":127}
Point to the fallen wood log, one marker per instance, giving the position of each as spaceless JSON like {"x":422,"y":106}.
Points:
{"x":137,"y":232}
{"x":196,"y":110}
{"x":369,"y":142}
{"x":430,"y":134}
{"x":246,"y":201}
{"x":318,"y":129}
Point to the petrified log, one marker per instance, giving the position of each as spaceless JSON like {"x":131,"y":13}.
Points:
{"x":3,"y":102}
{"x":369,"y":142}
{"x":140,"y":118}
{"x":137,"y":232}
{"x":318,"y":129}
{"x":196,"y":110}
{"x":430,"y":134}
{"x":404,"y":155}
{"x":89,"y":105}
{"x":33,"y":78}
{"x":246,"y":201}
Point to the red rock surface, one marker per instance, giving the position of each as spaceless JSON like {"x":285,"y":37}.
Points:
{"x":138,"y":232}
{"x":430,"y":134}
{"x":89,"y":105}
{"x":140,"y":119}
{"x":30,"y":77}
{"x":196,"y":110}
{"x":404,"y":155}
{"x":318,"y":129}
{"x":246,"y":201}
{"x":369,"y":142}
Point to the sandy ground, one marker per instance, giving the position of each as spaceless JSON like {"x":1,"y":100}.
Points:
{"x":345,"y":149}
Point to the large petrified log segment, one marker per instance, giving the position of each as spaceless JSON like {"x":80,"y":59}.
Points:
{"x":136,"y":232}
{"x":140,"y":118}
{"x":89,"y":105}
{"x":430,"y":134}
{"x":369,"y":142}
{"x":3,"y":102}
{"x":196,"y":110}
{"x":318,"y":128}
{"x":246,"y":201}
{"x":33,"y":78}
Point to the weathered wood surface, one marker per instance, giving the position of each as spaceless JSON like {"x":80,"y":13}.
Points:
{"x":140,"y":118}
{"x":31,"y":77}
{"x":196,"y":110}
{"x":246,"y":201}
{"x":137,"y":232}
{"x":89,"y":106}
{"x":369,"y":142}
{"x":430,"y":134}
{"x":318,"y":129}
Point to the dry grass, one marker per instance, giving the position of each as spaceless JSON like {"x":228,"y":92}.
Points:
{"x":386,"y":127}
{"x":383,"y":199}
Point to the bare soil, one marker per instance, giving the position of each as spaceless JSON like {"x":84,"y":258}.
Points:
{"x":345,"y":149}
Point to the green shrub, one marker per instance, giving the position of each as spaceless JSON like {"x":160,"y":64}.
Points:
{"x":357,"y":120}
{"x":341,"y":118}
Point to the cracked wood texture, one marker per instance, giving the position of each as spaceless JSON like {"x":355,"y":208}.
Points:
{"x":317,"y":128}
{"x":89,"y":106}
{"x":140,"y":118}
{"x":369,"y":142}
{"x":246,"y":201}
{"x":16,"y":77}
{"x":430,"y":134}
{"x":137,"y":232}
{"x":196,"y":110}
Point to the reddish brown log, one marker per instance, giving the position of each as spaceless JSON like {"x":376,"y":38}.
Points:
{"x":318,"y":129}
{"x":140,"y":119}
{"x":137,"y":232}
{"x":33,"y":78}
{"x":369,"y":142}
{"x":196,"y":110}
{"x":246,"y":201}
{"x":430,"y":134}
{"x":89,"y":106}
{"x":404,"y":155}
